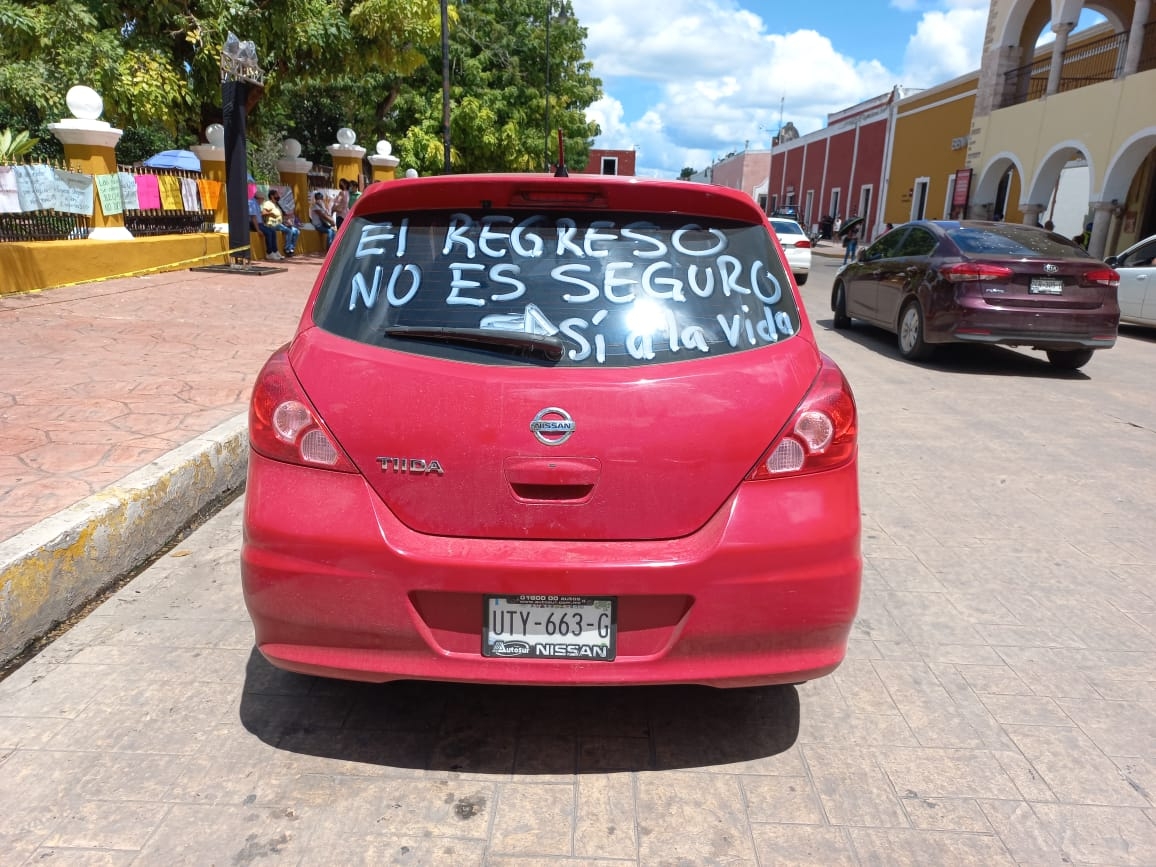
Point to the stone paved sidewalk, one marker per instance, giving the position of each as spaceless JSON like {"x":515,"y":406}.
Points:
{"x":100,"y":379}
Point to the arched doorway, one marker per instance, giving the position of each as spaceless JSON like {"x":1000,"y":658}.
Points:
{"x":1130,"y":185}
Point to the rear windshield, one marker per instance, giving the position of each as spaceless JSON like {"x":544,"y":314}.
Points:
{"x":615,"y":289}
{"x":1012,"y":240}
{"x":786,"y":227}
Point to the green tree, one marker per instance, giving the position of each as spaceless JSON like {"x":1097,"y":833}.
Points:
{"x":156,"y":62}
{"x":499,"y":91}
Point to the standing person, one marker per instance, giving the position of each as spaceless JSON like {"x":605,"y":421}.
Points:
{"x":837,"y":225}
{"x":274,"y":219}
{"x":322,"y":218}
{"x":341,"y":202}
{"x":851,"y":243}
{"x":354,"y":193}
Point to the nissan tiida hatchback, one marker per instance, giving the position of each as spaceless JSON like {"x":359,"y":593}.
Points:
{"x":537,"y":430}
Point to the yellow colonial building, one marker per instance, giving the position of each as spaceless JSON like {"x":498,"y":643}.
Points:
{"x":1083,"y":107}
{"x":926,"y":167}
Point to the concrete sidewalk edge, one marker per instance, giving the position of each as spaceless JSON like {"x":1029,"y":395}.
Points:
{"x":54,"y":568}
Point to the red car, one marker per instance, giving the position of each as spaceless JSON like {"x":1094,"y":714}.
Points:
{"x":982,"y":282}
{"x":540,"y":430}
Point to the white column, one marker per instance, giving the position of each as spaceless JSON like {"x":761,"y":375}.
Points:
{"x":1032,"y":214}
{"x":1101,"y":220}
{"x":1136,"y":35}
{"x":1058,"y":48}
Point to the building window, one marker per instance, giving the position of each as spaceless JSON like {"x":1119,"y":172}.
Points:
{"x":808,"y":212}
{"x":763,"y":202}
{"x":919,"y":198}
{"x":774,"y":203}
{"x":610,"y":165}
{"x":835,"y":196}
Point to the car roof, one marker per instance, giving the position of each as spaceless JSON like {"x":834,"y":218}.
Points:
{"x":577,"y":192}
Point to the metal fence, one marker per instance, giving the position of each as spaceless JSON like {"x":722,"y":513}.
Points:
{"x":1091,"y":63}
{"x":46,"y":225}
{"x":166,"y":221}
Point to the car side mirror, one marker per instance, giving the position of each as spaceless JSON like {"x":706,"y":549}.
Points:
{"x":1111,"y":261}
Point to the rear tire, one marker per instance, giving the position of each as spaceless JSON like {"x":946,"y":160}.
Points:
{"x":912,"y":346}
{"x":800,"y":279}
{"x":839,"y":305}
{"x":1069,"y":359}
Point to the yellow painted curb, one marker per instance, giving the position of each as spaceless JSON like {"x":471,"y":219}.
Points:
{"x":56,"y":567}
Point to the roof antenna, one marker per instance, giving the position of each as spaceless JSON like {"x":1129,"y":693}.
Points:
{"x":561,"y":173}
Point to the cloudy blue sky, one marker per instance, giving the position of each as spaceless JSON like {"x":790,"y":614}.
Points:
{"x":688,"y":81}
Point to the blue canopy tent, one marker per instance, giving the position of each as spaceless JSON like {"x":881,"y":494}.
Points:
{"x":186,"y":160}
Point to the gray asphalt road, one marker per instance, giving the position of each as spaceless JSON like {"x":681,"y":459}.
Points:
{"x":998,"y":705}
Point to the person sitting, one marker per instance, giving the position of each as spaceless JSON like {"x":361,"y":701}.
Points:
{"x":275,"y":221}
{"x":322,"y":218}
{"x":257,"y":224}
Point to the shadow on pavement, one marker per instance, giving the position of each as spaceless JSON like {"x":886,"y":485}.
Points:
{"x":1144,"y":333}
{"x":966,"y":358}
{"x":466,"y":728}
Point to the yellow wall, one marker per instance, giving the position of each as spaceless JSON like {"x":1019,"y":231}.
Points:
{"x":26,"y":266}
{"x":925,"y":125}
{"x":1097,"y":119}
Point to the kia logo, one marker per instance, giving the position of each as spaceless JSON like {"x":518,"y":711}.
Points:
{"x":1050,"y":268}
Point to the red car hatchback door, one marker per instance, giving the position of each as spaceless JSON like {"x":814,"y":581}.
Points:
{"x":452,"y":450}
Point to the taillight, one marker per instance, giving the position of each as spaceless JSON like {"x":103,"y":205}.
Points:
{"x":799,"y":245}
{"x":1103,"y":277}
{"x":283,"y":424}
{"x":967,"y":272}
{"x":821,"y":434}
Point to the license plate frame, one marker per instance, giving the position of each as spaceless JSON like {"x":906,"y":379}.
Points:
{"x":1046,"y":286}
{"x":518,"y":627}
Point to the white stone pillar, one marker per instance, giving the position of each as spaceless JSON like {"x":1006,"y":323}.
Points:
{"x":347,"y":156}
{"x":1136,"y":35}
{"x":90,"y":145}
{"x":1058,"y":48}
{"x":1101,"y":221}
{"x":383,"y":162}
{"x":294,"y":173}
{"x":212,"y":157}
{"x":1032,"y":214}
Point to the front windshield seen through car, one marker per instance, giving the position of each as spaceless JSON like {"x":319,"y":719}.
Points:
{"x":618,"y":289}
{"x":1012,"y":240}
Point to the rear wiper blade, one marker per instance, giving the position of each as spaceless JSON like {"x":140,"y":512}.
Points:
{"x":548,"y":346}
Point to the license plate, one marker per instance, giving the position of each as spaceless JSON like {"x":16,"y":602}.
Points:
{"x":1046,"y":286}
{"x":550,"y":627}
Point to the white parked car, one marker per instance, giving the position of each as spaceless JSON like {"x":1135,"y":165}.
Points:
{"x":1137,"y":293}
{"x":796,"y":245}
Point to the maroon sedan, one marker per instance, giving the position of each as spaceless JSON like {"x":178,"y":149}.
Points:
{"x":978,"y":282}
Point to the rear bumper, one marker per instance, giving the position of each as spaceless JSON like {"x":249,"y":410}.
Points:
{"x":976,"y":321}
{"x":798,"y":260}
{"x":765,"y":593}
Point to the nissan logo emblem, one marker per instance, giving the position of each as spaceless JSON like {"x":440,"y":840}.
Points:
{"x":552,"y":426}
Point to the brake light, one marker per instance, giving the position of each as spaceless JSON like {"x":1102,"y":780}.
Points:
{"x":283,"y":424}
{"x":967,"y":272}
{"x":799,"y":245}
{"x":1103,"y":277}
{"x":821,"y":434}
